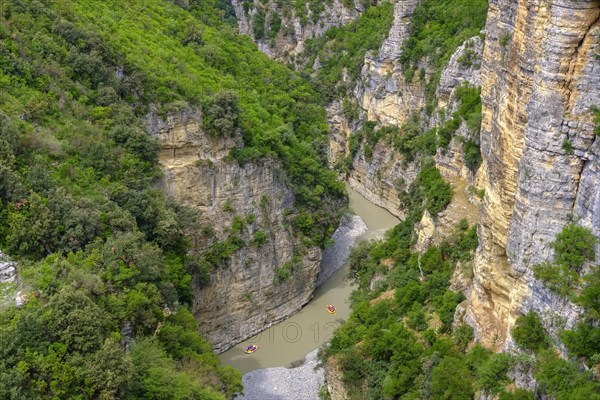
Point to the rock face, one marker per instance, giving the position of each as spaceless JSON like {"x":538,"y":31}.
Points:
{"x":382,"y":95}
{"x":8,"y":270}
{"x":335,"y":382}
{"x":243,"y":295}
{"x":385,"y":97}
{"x":540,"y":76}
{"x":297,"y":25}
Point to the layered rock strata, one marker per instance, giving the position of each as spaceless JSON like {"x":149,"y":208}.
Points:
{"x":244,"y":294}
{"x":540,"y":76}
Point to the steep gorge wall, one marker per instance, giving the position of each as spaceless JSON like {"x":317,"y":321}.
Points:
{"x":243,"y":295}
{"x":381,"y":94}
{"x":295,"y":29}
{"x":385,"y":96}
{"x":540,"y":76}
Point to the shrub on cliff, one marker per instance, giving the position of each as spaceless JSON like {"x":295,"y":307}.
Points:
{"x":222,"y":115}
{"x":596,"y":111}
{"x":573,"y":246}
{"x":529,"y":333}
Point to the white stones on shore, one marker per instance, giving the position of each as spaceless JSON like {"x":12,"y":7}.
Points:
{"x":334,"y":257}
{"x":302,"y":382}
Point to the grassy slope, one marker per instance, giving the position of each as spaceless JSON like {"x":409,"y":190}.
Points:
{"x":101,"y":250}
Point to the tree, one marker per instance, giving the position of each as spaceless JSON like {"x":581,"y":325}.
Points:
{"x":452,"y":380}
{"x":110,"y":371}
{"x":529,"y":333}
{"x":492,"y":374}
{"x":73,"y":319}
{"x":223,"y":113}
{"x":573,"y":246}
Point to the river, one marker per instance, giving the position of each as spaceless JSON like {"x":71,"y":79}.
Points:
{"x":291,"y":339}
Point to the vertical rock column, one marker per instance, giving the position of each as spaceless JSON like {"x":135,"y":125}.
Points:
{"x":538,"y":85}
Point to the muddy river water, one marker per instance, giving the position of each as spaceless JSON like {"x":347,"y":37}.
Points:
{"x":289,"y":340}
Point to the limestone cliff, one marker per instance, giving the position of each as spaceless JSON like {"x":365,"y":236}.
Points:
{"x":280,"y":29}
{"x":540,"y":75}
{"x":384,"y":96}
{"x":245,"y":293}
{"x":382,"y":93}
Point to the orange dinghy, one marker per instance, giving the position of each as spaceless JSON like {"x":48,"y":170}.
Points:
{"x":251,"y":349}
{"x":331,"y":309}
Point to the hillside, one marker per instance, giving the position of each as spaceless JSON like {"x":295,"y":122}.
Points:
{"x":171,"y":172}
{"x":103,"y":259}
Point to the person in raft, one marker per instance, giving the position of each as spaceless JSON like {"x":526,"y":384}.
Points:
{"x":331,"y":309}
{"x":251,"y":348}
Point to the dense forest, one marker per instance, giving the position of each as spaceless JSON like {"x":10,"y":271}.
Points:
{"x":104,"y":263}
{"x":405,"y":340}
{"x":102,"y":253}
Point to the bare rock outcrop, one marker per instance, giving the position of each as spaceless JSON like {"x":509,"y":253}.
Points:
{"x":247,"y":292}
{"x":540,"y":76}
{"x":296,"y":28}
{"x":8,"y":270}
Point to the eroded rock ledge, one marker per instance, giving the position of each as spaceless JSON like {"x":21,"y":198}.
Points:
{"x":243,"y":296}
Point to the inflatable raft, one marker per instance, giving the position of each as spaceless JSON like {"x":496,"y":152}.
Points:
{"x":251,"y":349}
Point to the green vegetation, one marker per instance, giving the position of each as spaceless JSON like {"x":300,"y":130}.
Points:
{"x":101,"y":252}
{"x":563,"y":379}
{"x":567,"y":146}
{"x":259,"y":238}
{"x":584,"y":340}
{"x":505,"y":39}
{"x":405,"y":347}
{"x":283,"y":273}
{"x":529,"y":333}
{"x":277,"y":112}
{"x":572,"y":248}
{"x":302,"y":9}
{"x":413,"y":142}
{"x":428,"y":192}
{"x":437,"y":29}
{"x":596,"y":111}
{"x":469,"y":111}
{"x":344,"y":48}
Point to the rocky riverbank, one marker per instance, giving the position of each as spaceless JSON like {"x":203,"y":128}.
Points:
{"x":301,"y":382}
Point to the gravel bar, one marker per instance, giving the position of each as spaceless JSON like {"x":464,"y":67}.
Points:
{"x":299,"y":383}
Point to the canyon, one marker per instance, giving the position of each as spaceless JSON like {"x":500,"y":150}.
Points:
{"x":538,"y":69}
{"x":173,"y":191}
